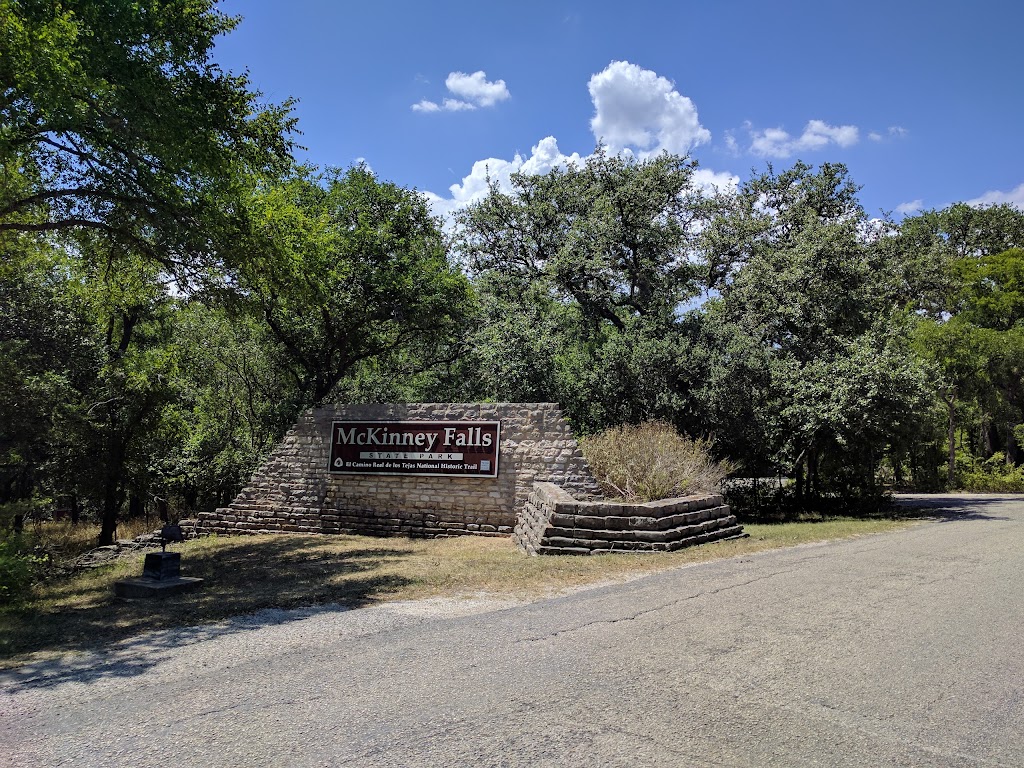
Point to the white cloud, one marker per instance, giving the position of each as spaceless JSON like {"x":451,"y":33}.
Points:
{"x":910,"y":207}
{"x":715,"y":181}
{"x":775,"y":142}
{"x":635,"y":107}
{"x":876,"y":228}
{"x":425,"y":106}
{"x":543,"y":157}
{"x":456,"y":105}
{"x":894,"y":132}
{"x":1014,"y":197}
{"x":731,"y":145}
{"x":476,"y":89}
{"x":473,"y":91}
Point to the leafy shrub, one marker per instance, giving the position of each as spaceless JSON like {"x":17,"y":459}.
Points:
{"x":769,"y":501}
{"x":992,"y":475}
{"x":17,"y":572}
{"x":652,"y":461}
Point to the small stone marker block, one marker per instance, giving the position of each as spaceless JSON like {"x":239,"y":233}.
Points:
{"x":162,"y":566}
{"x":161,"y":575}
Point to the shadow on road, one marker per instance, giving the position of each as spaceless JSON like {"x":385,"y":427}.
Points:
{"x":948,"y":507}
{"x":248,"y":585}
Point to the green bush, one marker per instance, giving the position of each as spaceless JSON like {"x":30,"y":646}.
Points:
{"x":652,"y":461}
{"x":992,"y":475}
{"x":17,"y":572}
{"x":766,"y":501}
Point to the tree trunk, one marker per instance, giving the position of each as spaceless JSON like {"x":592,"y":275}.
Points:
{"x":989,"y":436}
{"x":111,"y":494}
{"x":798,"y":475}
{"x":76,"y":510}
{"x":108,"y":523}
{"x":813,"y":488}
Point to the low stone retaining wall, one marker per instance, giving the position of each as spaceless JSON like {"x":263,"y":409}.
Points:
{"x":553,"y":522}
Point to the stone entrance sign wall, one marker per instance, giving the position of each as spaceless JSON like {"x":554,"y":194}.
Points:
{"x":294,"y":491}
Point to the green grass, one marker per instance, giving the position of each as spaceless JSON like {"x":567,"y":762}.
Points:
{"x":248,"y":574}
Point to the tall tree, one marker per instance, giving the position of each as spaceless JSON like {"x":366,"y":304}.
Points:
{"x":963,"y":230}
{"x":127,"y":147}
{"x":116,"y":121}
{"x":615,"y":236}
{"x":347,"y":269}
{"x":978,"y":345}
{"x":48,"y":353}
{"x":583,"y":272}
{"x":812,"y":285}
{"x":122,"y":408}
{"x":960,"y":352}
{"x":233,"y":403}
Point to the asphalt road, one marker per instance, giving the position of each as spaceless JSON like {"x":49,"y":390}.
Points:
{"x":899,"y":649}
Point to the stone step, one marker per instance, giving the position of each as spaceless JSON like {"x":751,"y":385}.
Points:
{"x":566,"y":545}
{"x":638,"y":522}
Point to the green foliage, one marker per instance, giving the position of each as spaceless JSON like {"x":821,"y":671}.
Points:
{"x":233,"y":403}
{"x":116,"y":121}
{"x":777,"y":211}
{"x":652,"y":461}
{"x":515,"y":350}
{"x":990,"y":289}
{"x":991,"y":475}
{"x":979,"y":352}
{"x":611,"y":235}
{"x":349,"y":270}
{"x":19,"y":564}
{"x":173,"y":290}
{"x":963,"y":230}
{"x":581,"y":273}
{"x":48,"y":353}
{"x":17,"y":572}
{"x":809,"y":335}
{"x":129,"y":153}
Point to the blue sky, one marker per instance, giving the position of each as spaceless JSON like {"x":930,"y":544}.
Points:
{"x":923,"y":101}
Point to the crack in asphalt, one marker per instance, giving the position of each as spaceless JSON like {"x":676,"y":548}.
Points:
{"x":656,"y":609}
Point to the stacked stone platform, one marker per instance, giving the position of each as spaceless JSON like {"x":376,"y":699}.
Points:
{"x":553,"y":522}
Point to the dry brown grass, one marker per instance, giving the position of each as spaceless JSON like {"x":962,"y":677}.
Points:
{"x":652,"y":461}
{"x":63,"y":541}
{"x":248,"y":574}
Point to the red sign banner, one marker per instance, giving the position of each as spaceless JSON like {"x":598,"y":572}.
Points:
{"x":455,"y":448}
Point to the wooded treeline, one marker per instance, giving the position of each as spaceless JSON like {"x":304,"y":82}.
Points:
{"x":175,"y":289}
